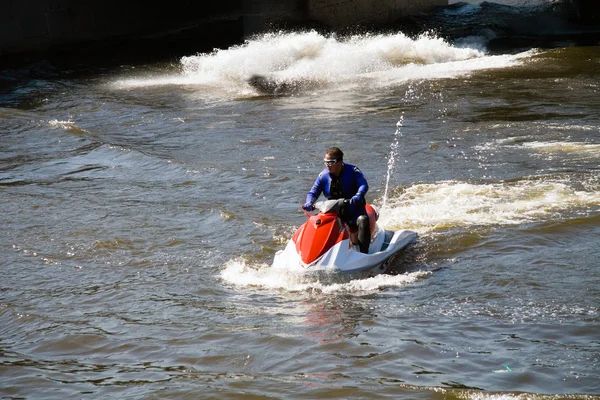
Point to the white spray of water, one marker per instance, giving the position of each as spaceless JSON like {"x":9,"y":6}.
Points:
{"x":430,"y":206}
{"x":547,"y":149}
{"x":239,"y":273}
{"x":392,"y":160}
{"x":310,"y":54}
{"x":591,"y":149}
{"x":68,"y":126}
{"x":327,"y":61}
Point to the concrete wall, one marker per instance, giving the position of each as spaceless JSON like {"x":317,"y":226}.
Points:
{"x":347,"y":12}
{"x":587,"y":11}
{"x":30,"y":25}
{"x":37,"y":25}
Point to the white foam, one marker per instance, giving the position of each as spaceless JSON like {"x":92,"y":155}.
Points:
{"x":587,"y":149}
{"x":564,"y":147}
{"x":488,"y":396}
{"x":429,"y":206}
{"x":239,"y":273}
{"x":164,"y":80}
{"x":68,"y":126}
{"x":327,"y":60}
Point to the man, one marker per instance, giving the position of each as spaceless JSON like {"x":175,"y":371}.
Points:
{"x":340,"y":180}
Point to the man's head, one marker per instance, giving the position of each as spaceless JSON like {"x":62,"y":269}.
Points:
{"x":333,"y":160}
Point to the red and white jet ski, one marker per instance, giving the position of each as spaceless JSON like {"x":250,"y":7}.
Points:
{"x":322,"y":245}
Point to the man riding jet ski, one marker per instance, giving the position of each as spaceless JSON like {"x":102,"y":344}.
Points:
{"x":327,"y":242}
{"x":340,"y":180}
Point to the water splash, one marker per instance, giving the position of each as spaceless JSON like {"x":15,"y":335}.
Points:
{"x":580,"y":148}
{"x":310,"y":54}
{"x":68,"y":126}
{"x":392,"y":159}
{"x":432,"y":206}
{"x":240,"y":273}
{"x":340,"y":64}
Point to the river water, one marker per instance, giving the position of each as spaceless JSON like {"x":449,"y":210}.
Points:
{"x":142,"y":205}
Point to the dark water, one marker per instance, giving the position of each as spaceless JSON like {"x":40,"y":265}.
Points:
{"x":142,"y":206}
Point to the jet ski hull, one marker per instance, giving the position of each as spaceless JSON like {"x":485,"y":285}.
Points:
{"x":344,"y":261}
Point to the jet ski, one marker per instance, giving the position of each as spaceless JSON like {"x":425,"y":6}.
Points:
{"x":322,"y":245}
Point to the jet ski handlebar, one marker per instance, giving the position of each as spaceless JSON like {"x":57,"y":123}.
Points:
{"x":329,"y":206}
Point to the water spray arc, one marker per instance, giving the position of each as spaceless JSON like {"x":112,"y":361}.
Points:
{"x":392,"y":159}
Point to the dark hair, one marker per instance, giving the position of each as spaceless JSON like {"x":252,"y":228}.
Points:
{"x":336,"y":153}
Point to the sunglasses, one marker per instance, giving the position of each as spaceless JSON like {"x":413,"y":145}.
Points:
{"x":329,"y":163}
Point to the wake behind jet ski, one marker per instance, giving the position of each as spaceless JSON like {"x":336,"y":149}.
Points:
{"x":322,"y":245}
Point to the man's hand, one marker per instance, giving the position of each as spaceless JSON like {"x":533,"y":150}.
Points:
{"x":308,"y":206}
{"x":355,"y":200}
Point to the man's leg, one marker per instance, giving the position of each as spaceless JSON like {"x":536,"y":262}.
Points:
{"x":364,"y":233}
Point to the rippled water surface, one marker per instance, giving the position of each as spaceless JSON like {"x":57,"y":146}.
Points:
{"x":142,"y":206}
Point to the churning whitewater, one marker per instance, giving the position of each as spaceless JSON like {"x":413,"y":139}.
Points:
{"x":315,"y":62}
